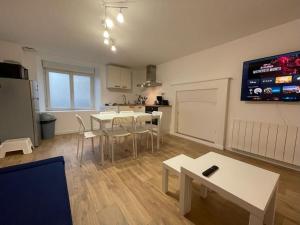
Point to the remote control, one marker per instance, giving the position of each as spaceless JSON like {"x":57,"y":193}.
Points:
{"x":210,"y":171}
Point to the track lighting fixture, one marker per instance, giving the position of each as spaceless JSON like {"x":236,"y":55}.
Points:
{"x":106,"y":41}
{"x":109,"y":23}
{"x":113,"y":48}
{"x":106,"y":34}
{"x":120,"y":16}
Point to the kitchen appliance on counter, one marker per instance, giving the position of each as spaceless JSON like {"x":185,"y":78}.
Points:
{"x":161,"y":101}
{"x":19,"y":114}
{"x":11,"y":70}
{"x":150,"y":109}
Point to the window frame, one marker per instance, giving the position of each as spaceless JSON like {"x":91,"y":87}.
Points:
{"x":71,"y":81}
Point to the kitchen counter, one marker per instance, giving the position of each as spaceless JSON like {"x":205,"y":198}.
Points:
{"x":141,"y":105}
{"x":159,"y":105}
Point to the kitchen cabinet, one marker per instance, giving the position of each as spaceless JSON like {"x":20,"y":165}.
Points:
{"x":118,"y":77}
{"x":134,"y":108}
{"x":125,"y":78}
{"x":166,"y":118}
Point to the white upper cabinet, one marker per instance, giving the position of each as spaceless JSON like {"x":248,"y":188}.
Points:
{"x":125,"y":78}
{"x":118,"y":77}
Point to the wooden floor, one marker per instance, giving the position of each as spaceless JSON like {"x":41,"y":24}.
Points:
{"x":129,"y":192}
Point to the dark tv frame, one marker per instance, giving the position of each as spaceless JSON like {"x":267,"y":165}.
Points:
{"x":245,"y":78}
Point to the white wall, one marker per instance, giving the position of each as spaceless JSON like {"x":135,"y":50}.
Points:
{"x":66,"y":122}
{"x":29,"y":59}
{"x":226,"y":61}
{"x":11,"y":51}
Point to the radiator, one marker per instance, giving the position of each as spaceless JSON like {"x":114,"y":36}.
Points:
{"x":273,"y":141}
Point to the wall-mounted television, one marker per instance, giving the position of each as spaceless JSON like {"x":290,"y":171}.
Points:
{"x":274,"y":78}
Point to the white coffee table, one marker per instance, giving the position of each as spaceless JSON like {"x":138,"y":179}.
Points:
{"x":250,"y":187}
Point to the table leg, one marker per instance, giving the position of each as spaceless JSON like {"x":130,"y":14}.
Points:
{"x":158,"y":138}
{"x":92,"y":126}
{"x":203,"y":191}
{"x":102,"y":150}
{"x":165,"y":180}
{"x":185,"y":199}
{"x":270,"y":212}
{"x":254,"y":220}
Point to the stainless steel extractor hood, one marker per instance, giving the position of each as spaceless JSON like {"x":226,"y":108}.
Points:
{"x":150,"y":77}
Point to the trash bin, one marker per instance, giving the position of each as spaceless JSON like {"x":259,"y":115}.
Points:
{"x":47,"y":121}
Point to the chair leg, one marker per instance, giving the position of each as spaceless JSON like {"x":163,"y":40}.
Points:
{"x":81,"y":150}
{"x":101,"y":150}
{"x":106,"y":145}
{"x":93,"y":146}
{"x":78,"y":143}
{"x":152,"y":142}
{"x":147,"y":134}
{"x":133,"y":147}
{"x":112,"y":150}
{"x":157,"y":140}
{"x":136,"y":143}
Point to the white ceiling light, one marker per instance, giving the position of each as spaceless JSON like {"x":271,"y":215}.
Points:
{"x":106,"y":41}
{"x":113,"y":48}
{"x":105,"y":34}
{"x":109,"y":23}
{"x":120,"y":17}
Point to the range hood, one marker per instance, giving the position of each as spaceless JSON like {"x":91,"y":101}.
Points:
{"x":150,"y":77}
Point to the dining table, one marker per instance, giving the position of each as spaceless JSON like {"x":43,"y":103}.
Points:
{"x":107,"y":117}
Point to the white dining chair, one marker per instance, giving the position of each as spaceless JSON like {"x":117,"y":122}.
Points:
{"x":143,"y":125}
{"x":157,"y":128}
{"x":84,"y":134}
{"x":107,"y":112}
{"x":122,"y":112}
{"x":119,"y":129}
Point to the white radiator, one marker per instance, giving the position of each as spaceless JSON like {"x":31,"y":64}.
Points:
{"x":273,"y":141}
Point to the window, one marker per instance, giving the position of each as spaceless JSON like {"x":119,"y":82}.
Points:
{"x":69,"y":90}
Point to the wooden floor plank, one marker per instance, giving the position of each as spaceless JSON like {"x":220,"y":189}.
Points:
{"x":129,"y":191}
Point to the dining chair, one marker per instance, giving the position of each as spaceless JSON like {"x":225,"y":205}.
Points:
{"x":143,"y":125}
{"x":107,"y":112}
{"x":84,"y":134}
{"x":122,"y":112}
{"x":119,"y":129}
{"x":157,"y":128}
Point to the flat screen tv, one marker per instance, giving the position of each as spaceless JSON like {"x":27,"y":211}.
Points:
{"x":274,"y":78}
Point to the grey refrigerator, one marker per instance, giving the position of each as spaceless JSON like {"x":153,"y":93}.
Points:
{"x":19,"y":110}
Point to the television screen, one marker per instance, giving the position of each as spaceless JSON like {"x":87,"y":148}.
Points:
{"x":275,"y":78}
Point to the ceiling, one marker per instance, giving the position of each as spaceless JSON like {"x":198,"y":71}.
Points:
{"x":155,"y":31}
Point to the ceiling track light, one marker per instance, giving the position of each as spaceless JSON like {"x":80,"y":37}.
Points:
{"x":106,"y":41}
{"x":120,"y":17}
{"x":106,"y":34}
{"x":108,"y":24}
{"x":113,"y":47}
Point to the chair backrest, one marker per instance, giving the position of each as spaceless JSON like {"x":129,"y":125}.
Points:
{"x":126,"y":112}
{"x":107,"y":112}
{"x":123,"y":121}
{"x":81,"y":124}
{"x":143,"y":120}
{"x":157,"y":114}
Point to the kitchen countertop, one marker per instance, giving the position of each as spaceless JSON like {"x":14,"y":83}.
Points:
{"x":141,"y":105}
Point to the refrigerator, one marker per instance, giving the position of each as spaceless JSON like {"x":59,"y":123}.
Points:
{"x":19,"y":110}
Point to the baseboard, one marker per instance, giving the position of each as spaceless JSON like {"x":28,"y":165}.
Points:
{"x":66,"y":132}
{"x":272,"y":161}
{"x":207,"y":143}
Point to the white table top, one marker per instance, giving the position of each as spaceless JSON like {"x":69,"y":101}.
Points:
{"x":108,"y":117}
{"x":248,"y":183}
{"x":177,"y":162}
